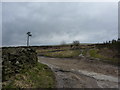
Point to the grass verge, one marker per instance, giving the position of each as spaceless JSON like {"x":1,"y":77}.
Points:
{"x":39,"y":76}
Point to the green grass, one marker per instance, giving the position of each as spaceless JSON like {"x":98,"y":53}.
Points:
{"x":39,"y":76}
{"x":49,"y":50}
{"x":45,"y":50}
{"x":95,"y":53}
{"x":63,"y":54}
{"x":84,"y":52}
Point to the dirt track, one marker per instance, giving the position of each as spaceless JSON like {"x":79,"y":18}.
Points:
{"x":82,"y":73}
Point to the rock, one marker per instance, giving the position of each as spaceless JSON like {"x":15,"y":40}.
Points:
{"x":81,"y":55}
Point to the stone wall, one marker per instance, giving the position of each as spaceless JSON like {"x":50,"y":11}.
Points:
{"x":15,"y":60}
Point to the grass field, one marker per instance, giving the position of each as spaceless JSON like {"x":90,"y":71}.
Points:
{"x":105,"y":55}
{"x":64,"y":54}
{"x":61,"y":54}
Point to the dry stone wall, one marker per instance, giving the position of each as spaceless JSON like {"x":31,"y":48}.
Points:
{"x":15,"y":60}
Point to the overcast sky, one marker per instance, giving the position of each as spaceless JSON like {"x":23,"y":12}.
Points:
{"x":52,"y":23}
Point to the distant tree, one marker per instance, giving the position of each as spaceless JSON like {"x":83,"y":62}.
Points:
{"x":28,"y":35}
{"x":76,"y":44}
{"x":106,"y":42}
{"x":109,"y":42}
{"x":118,"y":38}
{"x":114,"y":41}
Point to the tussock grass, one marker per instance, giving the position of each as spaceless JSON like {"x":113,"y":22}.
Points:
{"x":39,"y":76}
{"x":94,"y":53}
{"x":50,"y":50}
{"x":63,"y":54}
{"x":107,"y":56}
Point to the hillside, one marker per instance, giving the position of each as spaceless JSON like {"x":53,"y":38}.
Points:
{"x":108,"y":53}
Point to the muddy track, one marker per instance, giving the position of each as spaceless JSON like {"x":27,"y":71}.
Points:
{"x":74,"y":73}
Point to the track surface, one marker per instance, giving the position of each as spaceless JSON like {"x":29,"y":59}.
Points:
{"x":82,"y":73}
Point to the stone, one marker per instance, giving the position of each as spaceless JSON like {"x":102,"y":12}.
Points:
{"x":14,"y":60}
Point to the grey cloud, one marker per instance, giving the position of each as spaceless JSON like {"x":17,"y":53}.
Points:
{"x":52,"y":23}
{"x":0,"y":24}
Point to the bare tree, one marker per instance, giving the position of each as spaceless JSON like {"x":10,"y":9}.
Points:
{"x":29,"y":34}
{"x":76,"y":44}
